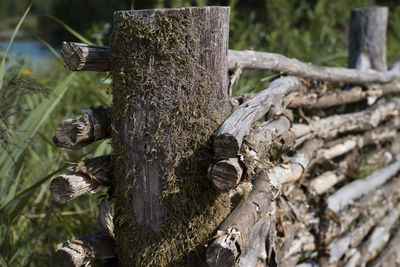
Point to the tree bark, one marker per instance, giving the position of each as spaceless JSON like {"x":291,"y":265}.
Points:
{"x":81,"y":131}
{"x":88,"y":176}
{"x":170,"y":89}
{"x":84,"y":57}
{"x":85,"y":250}
{"x":367,"y":49}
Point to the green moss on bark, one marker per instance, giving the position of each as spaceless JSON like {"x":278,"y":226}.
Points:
{"x":157,"y":67}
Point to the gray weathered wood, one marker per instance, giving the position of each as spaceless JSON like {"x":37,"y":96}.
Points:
{"x":88,"y":176}
{"x":81,"y":131}
{"x":367,"y":48}
{"x":226,"y":174}
{"x":260,"y":60}
{"x":169,"y":96}
{"x":85,"y":250}
{"x":235,"y":230}
{"x":390,"y":255}
{"x":281,"y":64}
{"x":229,"y":136}
{"x":358,"y":188}
{"x":84,"y":57}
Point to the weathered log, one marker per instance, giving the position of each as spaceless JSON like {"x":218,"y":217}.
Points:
{"x":367,"y":205}
{"x":85,"y":250}
{"x":88,"y":176}
{"x":379,"y":236}
{"x":246,"y":59}
{"x":235,"y":230}
{"x":281,"y":64}
{"x":229,"y":136}
{"x":339,"y":97}
{"x":170,"y":94}
{"x":81,"y":131}
{"x":226,"y":174}
{"x":84,"y":57}
{"x":358,"y":188}
{"x":367,"y":49}
{"x":328,"y":179}
{"x":339,"y":246}
{"x":390,"y":256}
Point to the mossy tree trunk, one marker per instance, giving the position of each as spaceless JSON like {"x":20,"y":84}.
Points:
{"x":170,"y":89}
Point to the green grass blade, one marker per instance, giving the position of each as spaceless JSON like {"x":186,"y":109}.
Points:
{"x":13,"y":188}
{"x":70,"y":30}
{"x":28,"y":129}
{"x":10,"y":211}
{"x":52,"y":50}
{"x":3,"y":60}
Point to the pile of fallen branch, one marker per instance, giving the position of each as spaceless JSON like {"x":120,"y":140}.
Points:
{"x":315,"y":171}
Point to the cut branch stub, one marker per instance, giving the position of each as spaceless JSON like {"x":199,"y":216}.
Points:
{"x":85,"y":250}
{"x":84,"y":57}
{"x":81,"y":131}
{"x":230,"y":135}
{"x":226,"y":174}
{"x":88,"y":176}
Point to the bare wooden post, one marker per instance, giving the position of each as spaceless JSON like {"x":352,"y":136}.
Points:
{"x":368,"y":38}
{"x":170,"y":94}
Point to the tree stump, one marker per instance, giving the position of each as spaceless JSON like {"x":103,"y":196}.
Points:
{"x":170,"y":88}
{"x":368,"y":38}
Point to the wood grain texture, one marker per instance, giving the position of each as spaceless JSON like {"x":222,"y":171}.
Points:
{"x":80,"y":131}
{"x":229,"y":136}
{"x":85,"y":251}
{"x":88,"y":176}
{"x":367,"y":49}
{"x":84,"y":57}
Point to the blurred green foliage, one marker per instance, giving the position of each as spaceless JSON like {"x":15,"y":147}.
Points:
{"x":31,"y":224}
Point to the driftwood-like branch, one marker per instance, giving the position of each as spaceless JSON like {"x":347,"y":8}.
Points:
{"x":340,"y":97}
{"x":385,"y":195}
{"x":85,"y":250}
{"x":280,"y":133}
{"x":96,"y":58}
{"x":358,"y":188}
{"x":354,"y":238}
{"x":88,"y":176}
{"x":83,"y":57}
{"x":389,"y":257}
{"x":235,"y":230}
{"x":380,"y":236}
{"x":229,"y":136}
{"x":281,"y":64}
{"x":81,"y":131}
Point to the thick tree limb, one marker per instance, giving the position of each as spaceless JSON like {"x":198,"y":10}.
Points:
{"x":230,"y":134}
{"x":83,"y":57}
{"x":235,"y":230}
{"x":81,"y":131}
{"x":281,"y":64}
{"x":379,"y":236}
{"x":88,"y":176}
{"x":85,"y":250}
{"x":389,"y":257}
{"x":226,"y":174}
{"x":358,"y":188}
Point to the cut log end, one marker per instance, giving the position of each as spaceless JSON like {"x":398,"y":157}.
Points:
{"x":86,"y":250}
{"x":226,"y":146}
{"x":222,"y":253}
{"x":74,"y":133}
{"x":226,"y":174}
{"x":66,"y":187}
{"x":83,"y":57}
